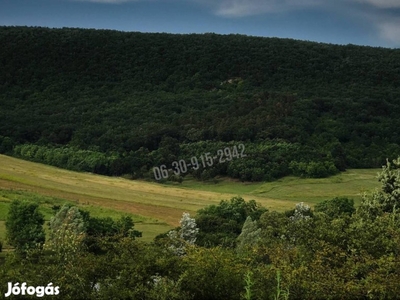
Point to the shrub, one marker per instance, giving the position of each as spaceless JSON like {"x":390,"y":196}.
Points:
{"x":313,"y":169}
{"x":336,"y":207}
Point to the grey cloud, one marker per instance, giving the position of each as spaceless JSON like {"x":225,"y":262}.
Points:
{"x":375,"y":12}
{"x":241,"y":8}
{"x":382,"y":3}
{"x":390,"y":30}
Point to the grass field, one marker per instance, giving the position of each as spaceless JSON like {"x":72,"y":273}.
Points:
{"x":157,"y":207}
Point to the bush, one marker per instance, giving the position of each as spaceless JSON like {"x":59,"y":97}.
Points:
{"x":176,"y":178}
{"x":6,"y":145}
{"x":336,"y":207}
{"x":313,"y":169}
{"x":24,"y":225}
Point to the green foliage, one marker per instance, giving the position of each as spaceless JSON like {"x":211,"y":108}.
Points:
{"x":274,"y":227}
{"x":249,"y":283}
{"x":336,"y":207}
{"x":97,"y":228}
{"x":386,"y":200}
{"x":279,"y":293}
{"x":167,"y":289}
{"x":133,"y":270}
{"x":6,"y":145}
{"x":222,"y":224}
{"x":71,"y":158}
{"x":249,"y":236}
{"x":67,"y":233}
{"x":313,"y":169}
{"x":67,"y":217}
{"x":24,"y":226}
{"x":213,"y":273}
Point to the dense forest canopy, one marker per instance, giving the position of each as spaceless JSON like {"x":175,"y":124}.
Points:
{"x":124,"y":102}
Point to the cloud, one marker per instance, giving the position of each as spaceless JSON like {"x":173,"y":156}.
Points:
{"x":375,"y":12}
{"x":386,"y":21}
{"x":234,"y":8}
{"x":242,"y":8}
{"x":390,"y":31}
{"x":382,"y":3}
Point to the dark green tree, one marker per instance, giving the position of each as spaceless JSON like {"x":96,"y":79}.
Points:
{"x":222,"y":224}
{"x":24,"y":225}
{"x":336,"y":207}
{"x":107,"y":228}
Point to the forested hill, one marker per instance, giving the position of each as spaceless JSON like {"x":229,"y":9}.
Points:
{"x":43,"y":59}
{"x":121,"y":103}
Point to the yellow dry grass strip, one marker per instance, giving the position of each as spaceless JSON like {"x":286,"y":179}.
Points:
{"x":153,"y":200}
{"x":165,"y":214}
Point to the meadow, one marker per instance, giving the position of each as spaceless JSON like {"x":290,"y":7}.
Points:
{"x":157,"y":207}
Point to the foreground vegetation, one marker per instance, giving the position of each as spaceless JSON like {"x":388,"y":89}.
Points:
{"x":233,"y":250}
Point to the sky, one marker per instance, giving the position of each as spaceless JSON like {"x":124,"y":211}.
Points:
{"x":360,"y":22}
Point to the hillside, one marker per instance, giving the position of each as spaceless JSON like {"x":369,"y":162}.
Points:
{"x":118,"y":103}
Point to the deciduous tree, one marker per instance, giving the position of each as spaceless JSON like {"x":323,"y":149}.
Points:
{"x":24,"y":225}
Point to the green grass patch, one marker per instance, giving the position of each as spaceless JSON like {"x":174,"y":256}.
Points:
{"x":220,"y":185}
{"x":3,"y":210}
{"x":2,"y":232}
{"x":352,"y":184}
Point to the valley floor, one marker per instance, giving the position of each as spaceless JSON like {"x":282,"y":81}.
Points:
{"x":156,"y":207}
